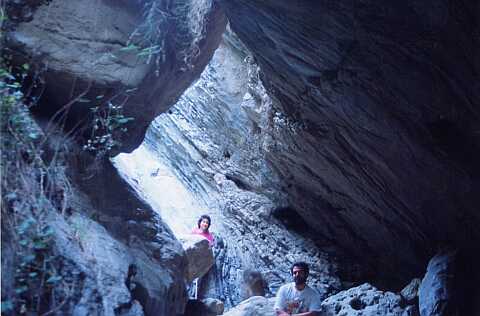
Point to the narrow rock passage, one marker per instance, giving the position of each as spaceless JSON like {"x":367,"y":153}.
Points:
{"x":207,"y":155}
{"x":157,"y":184}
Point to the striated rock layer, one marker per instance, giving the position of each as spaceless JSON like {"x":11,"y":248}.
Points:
{"x":381,"y":154}
{"x":215,"y":139}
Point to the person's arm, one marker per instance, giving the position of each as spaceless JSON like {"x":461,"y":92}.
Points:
{"x":280,"y":302}
{"x":283,"y":313}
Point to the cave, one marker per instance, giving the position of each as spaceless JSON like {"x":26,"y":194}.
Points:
{"x":345,"y":135}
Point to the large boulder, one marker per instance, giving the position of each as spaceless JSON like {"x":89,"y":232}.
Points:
{"x":254,"y":306}
{"x":366,"y":300}
{"x":199,"y":256}
{"x":437,"y":295}
{"x":253,"y":284}
{"x":214,"y":306}
{"x":135,"y":56}
{"x":410,"y":292}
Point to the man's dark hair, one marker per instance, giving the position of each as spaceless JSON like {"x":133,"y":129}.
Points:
{"x":302,"y":265}
{"x":202,"y":218}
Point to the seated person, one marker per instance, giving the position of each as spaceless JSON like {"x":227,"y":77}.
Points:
{"x":203,"y":225}
{"x":297,"y":298}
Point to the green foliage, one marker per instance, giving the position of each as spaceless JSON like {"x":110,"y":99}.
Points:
{"x":108,"y":123}
{"x":30,"y":186}
{"x":36,"y":276}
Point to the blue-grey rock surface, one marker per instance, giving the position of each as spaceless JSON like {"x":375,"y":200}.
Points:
{"x":216,"y":139}
{"x":438,"y":292}
{"x":140,"y":55}
{"x":382,"y":100}
{"x":367,"y":300}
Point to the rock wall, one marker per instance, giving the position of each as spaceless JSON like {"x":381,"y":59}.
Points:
{"x":380,"y":156}
{"x":114,"y":232}
{"x":87,"y":68}
{"x":215,"y":139}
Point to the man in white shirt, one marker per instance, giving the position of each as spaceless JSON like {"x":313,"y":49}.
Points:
{"x":297,"y":298}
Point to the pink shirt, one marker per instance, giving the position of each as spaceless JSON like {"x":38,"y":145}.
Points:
{"x":207,"y":235}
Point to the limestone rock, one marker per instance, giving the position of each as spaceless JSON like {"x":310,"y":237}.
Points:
{"x":199,"y":256}
{"x":410,"y":292}
{"x":367,"y":144}
{"x":366,"y":300}
{"x":135,"y":310}
{"x":437,"y":292}
{"x":220,"y":131}
{"x":253,"y":284}
{"x":214,"y":306}
{"x":127,"y":253}
{"x":137,"y":55}
{"x":254,"y":306}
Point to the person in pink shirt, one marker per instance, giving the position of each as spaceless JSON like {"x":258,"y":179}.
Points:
{"x":203,"y":225}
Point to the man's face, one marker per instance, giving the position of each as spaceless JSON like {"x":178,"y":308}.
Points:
{"x":204,"y":224}
{"x":299,"y":276}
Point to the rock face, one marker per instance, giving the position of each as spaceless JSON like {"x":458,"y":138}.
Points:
{"x":199,"y":256}
{"x":214,"y":306}
{"x":437,"y":295}
{"x":368,"y":301}
{"x":100,"y":249}
{"x":254,"y":306}
{"x":93,"y":67}
{"x":127,"y":253}
{"x":410,"y":292}
{"x":215,"y":139}
{"x":139,"y":56}
{"x":379,"y":151}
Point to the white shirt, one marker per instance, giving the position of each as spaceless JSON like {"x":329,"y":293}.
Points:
{"x":293,"y":301}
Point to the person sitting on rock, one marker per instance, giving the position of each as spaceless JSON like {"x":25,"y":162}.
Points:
{"x":203,"y":225}
{"x":297,"y":298}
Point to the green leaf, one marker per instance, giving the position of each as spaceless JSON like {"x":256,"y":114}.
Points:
{"x":98,"y":97}
{"x":23,"y":242}
{"x":15,"y":85}
{"x":32,"y":274}
{"x":83,"y":100}
{"x":21,"y":289}
{"x":25,"y":225}
{"x":47,"y":231}
{"x":39,"y":245}
{"x":124,"y":120}
{"x":54,"y":279}
{"x":26,"y":66}
{"x":11,"y":196}
{"x":129,"y":48}
{"x":33,"y":135}
{"x":7,"y":306}
{"x":28,"y":258}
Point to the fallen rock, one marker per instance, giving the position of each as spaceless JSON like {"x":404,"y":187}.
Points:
{"x":436,"y":295}
{"x":410,"y":292}
{"x":254,"y":306}
{"x":366,"y":300}
{"x":199,"y":256}
{"x":253,"y":284}
{"x":196,"y":307}
{"x":214,"y":306}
